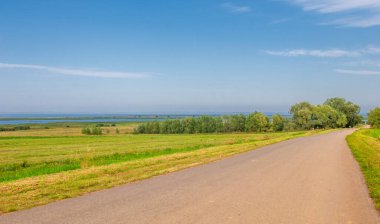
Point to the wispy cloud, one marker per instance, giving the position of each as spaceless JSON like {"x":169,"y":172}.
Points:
{"x":372,"y":50}
{"x":353,"y":13}
{"x":279,"y":21}
{"x":367,"y":62}
{"x":334,"y":53}
{"x":236,"y":8}
{"x":77,"y":72}
{"x":357,"y":72}
{"x":331,"y":53}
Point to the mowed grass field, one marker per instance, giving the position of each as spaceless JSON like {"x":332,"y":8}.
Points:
{"x":67,"y":129}
{"x":365,"y":146}
{"x":37,"y":167}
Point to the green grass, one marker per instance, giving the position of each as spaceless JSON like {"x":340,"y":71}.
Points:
{"x":365,"y":146}
{"x":35,"y":170}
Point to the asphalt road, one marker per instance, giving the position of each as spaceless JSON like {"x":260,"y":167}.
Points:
{"x":307,"y":180}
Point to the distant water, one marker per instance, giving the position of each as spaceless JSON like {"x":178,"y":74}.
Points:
{"x":42,"y":121}
{"x":15,"y":119}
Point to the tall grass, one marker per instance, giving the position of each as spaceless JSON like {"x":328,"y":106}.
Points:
{"x":365,"y":146}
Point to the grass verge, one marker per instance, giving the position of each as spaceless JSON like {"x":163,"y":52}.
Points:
{"x":365,"y":146}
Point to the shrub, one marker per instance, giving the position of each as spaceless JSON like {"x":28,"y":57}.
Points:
{"x":86,"y":131}
{"x":92,"y":131}
{"x":278,"y":122}
{"x":16,"y":128}
{"x":374,"y":117}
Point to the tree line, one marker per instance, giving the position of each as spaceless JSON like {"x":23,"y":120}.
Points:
{"x":334,"y":113}
{"x":16,"y":128}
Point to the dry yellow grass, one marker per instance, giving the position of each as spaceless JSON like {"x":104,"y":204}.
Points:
{"x":67,"y":131}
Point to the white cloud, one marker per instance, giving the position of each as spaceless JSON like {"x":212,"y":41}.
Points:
{"x":235,"y":8}
{"x":330,"y":6}
{"x":358,"y":72}
{"x":354,"y":13}
{"x":373,"y":50}
{"x":77,"y":72}
{"x":356,"y":21}
{"x":367,"y":62}
{"x":333,"y":53}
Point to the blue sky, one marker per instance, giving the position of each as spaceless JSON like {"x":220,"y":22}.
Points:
{"x":186,"y":56}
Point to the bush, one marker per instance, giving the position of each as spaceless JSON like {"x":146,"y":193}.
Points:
{"x":278,"y":122}
{"x":16,"y":128}
{"x":374,"y":117}
{"x":92,"y":131}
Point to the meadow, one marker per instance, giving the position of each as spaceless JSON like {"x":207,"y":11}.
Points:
{"x":365,"y":146}
{"x":49,"y":163}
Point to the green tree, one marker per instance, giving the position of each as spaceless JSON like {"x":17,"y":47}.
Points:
{"x":342,"y":120}
{"x":176,"y":127}
{"x":257,"y":122}
{"x":278,"y":122}
{"x":189,"y":125}
{"x":155,"y":127}
{"x":237,"y":123}
{"x":374,"y":117}
{"x":219,"y":124}
{"x":324,"y":116}
{"x":86,"y":131}
{"x":227,"y":123}
{"x":289,"y":125}
{"x":349,"y":109}
{"x":92,"y":131}
{"x":206,"y":124}
{"x":302,"y":115}
{"x":96,"y":131}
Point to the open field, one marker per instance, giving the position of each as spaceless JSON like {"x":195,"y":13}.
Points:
{"x":38,"y":168}
{"x":365,"y":145}
{"x":67,"y":129}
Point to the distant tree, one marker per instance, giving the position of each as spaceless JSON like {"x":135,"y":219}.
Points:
{"x":289,"y":125}
{"x":257,"y":122}
{"x":324,"y":116}
{"x":86,"y":131}
{"x":227,"y":123}
{"x":117,"y":131}
{"x":155,"y":126}
{"x":278,"y":122}
{"x":96,"y":131}
{"x":219,"y":124}
{"x":92,"y":131}
{"x":189,"y":125}
{"x":302,"y":115}
{"x":164,"y":127}
{"x":374,"y":117}
{"x":206,"y":124}
{"x":176,"y":127}
{"x":140,"y":129}
{"x":349,"y":109}
{"x":148,"y":128}
{"x":342,"y":120}
{"x":237,"y":123}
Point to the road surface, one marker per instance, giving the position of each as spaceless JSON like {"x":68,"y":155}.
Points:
{"x":306,"y":180}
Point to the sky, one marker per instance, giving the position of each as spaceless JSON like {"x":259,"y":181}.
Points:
{"x":199,"y":56}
